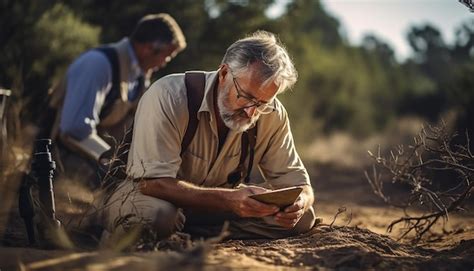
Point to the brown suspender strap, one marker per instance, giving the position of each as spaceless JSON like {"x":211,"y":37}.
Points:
{"x":244,"y":145}
{"x":248,"y":142}
{"x":195,"y":84}
{"x":252,"y":138}
{"x":236,"y":176}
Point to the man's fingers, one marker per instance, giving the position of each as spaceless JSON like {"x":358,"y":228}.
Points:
{"x":252,"y":208}
{"x":287,"y":215}
{"x":262,"y":207}
{"x":298,"y":204}
{"x":292,"y":208}
{"x":292,"y":215}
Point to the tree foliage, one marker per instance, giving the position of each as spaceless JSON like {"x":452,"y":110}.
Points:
{"x":39,"y":42}
{"x":341,"y":87}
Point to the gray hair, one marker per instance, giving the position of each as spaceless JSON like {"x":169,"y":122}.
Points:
{"x":264,"y":49}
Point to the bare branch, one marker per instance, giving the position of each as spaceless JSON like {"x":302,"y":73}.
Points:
{"x":416,"y":165}
{"x":339,"y":211}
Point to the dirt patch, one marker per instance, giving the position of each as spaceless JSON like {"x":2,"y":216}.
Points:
{"x":348,"y":248}
{"x":357,"y":240}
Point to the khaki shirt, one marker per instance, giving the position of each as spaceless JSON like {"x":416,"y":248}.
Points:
{"x":160,"y":124}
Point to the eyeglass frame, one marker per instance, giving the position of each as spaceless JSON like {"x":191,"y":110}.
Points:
{"x":252,"y":100}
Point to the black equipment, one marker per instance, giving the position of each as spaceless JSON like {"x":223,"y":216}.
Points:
{"x":43,"y":220}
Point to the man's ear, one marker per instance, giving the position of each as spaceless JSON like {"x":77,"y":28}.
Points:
{"x":223,"y":70}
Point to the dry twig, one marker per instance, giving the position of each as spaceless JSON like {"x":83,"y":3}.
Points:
{"x":418,"y":165}
{"x":340,"y":211}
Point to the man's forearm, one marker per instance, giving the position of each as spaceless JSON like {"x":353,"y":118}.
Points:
{"x":186,"y":195}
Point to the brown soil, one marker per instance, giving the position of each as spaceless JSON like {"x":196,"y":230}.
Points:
{"x":357,"y":240}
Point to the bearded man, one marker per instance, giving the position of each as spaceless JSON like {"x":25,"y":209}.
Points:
{"x":195,"y":187}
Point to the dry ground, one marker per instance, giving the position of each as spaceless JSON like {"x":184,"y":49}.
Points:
{"x":356,"y":241}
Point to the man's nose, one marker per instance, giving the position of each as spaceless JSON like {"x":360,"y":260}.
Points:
{"x":250,"y":111}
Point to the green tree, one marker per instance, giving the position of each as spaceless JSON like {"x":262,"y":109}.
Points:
{"x":463,"y":50}
{"x":39,"y":41}
{"x":461,"y":92}
{"x":433,"y":58}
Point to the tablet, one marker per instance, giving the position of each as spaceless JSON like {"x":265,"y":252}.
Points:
{"x":281,"y":197}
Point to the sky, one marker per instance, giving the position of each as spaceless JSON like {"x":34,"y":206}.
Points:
{"x":390,"y":20}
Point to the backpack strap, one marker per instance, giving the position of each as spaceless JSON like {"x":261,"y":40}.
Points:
{"x":114,"y":92}
{"x":195,"y":84}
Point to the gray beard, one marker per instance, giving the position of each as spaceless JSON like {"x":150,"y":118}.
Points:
{"x":231,"y":117}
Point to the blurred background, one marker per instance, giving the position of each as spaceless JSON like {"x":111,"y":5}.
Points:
{"x":370,"y":72}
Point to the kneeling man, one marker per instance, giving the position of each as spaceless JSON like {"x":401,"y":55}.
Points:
{"x":238,"y":124}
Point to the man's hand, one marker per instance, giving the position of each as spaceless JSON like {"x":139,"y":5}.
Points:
{"x":289,"y":217}
{"x":240,"y":203}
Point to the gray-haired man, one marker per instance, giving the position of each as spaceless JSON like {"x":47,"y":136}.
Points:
{"x":190,"y":188}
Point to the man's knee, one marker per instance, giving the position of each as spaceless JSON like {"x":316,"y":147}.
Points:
{"x":128,"y":208}
{"x":306,"y":222}
{"x":153,"y":215}
{"x":164,"y":219}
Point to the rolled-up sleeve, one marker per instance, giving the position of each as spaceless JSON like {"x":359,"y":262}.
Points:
{"x":159,"y":126}
{"x":280,"y":163}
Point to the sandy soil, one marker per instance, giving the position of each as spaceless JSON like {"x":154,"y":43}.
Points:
{"x":357,"y":240}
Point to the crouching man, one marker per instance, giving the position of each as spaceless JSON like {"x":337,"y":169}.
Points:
{"x":191,"y":156}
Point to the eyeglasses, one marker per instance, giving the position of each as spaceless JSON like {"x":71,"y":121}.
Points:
{"x":261,"y":107}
